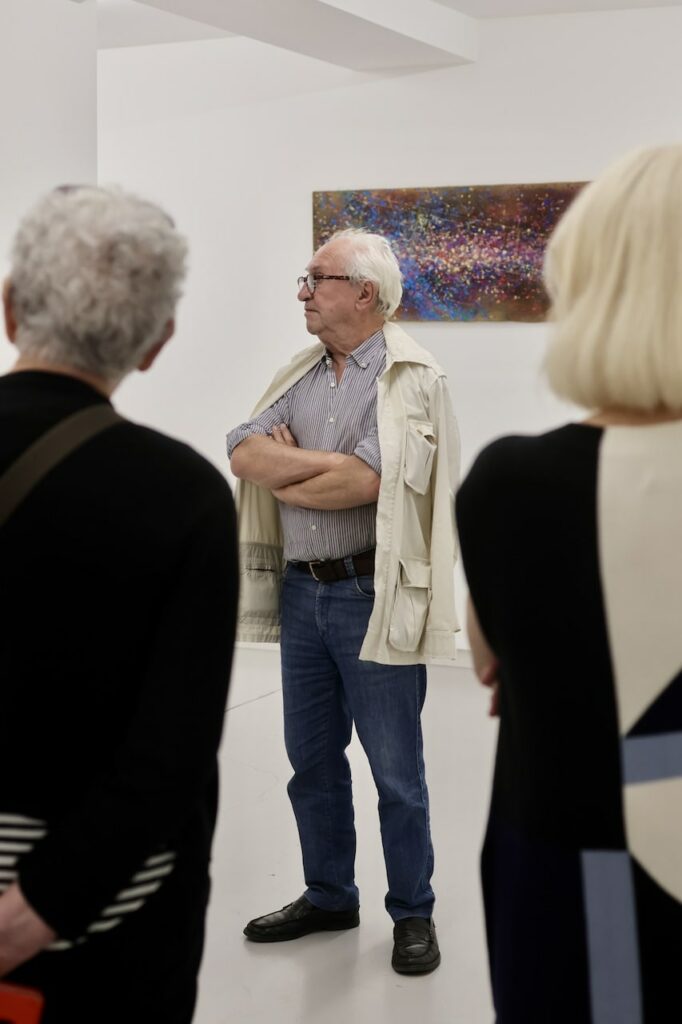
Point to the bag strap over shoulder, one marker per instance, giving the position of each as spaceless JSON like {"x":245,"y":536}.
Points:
{"x":48,"y":451}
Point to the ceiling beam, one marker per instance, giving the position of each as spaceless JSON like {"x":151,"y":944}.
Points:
{"x":421,"y":20}
{"x":122,"y":23}
{"x":364,"y":35}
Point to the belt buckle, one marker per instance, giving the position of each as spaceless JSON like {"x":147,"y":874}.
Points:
{"x":312,"y":571}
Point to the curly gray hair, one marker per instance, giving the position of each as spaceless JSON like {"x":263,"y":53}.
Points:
{"x":95,"y":276}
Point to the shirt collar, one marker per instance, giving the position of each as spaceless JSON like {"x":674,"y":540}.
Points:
{"x":369,"y":350}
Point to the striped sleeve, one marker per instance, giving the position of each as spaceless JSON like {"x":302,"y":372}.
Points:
{"x":368,"y":450}
{"x":273,"y":416}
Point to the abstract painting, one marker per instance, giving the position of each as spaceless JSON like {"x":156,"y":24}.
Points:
{"x":466,"y":253}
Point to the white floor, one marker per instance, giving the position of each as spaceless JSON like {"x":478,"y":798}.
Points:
{"x":344,"y":977}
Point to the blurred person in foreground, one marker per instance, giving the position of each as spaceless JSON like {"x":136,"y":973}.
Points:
{"x":572,"y":545}
{"x":118,"y":601}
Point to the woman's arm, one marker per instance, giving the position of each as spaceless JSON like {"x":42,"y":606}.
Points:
{"x":486,"y":665}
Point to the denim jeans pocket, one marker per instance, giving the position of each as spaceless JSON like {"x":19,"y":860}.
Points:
{"x":365,"y":586}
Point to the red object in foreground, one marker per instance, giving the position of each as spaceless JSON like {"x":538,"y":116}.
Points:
{"x":20,"y":1005}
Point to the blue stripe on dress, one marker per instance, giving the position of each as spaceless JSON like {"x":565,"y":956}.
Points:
{"x":612,"y":946}
{"x":652,"y":758}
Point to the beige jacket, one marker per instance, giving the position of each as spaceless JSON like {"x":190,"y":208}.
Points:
{"x":413,"y":619}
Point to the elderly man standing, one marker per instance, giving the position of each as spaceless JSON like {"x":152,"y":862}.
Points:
{"x":118,"y":603}
{"x":346,"y":474}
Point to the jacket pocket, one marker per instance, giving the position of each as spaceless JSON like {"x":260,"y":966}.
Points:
{"x":261,"y":568}
{"x":420,"y":447}
{"x":411,"y":604}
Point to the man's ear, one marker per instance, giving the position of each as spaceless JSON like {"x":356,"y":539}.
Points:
{"x":148,"y":360}
{"x":10,"y":318}
{"x":367,"y":296}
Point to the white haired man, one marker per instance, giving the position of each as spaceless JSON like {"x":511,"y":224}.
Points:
{"x":118,"y":605}
{"x":346,"y":471}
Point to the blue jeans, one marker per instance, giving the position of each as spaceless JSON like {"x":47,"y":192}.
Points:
{"x":326,"y":688}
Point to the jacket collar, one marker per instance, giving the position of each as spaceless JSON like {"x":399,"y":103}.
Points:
{"x":400,"y":348}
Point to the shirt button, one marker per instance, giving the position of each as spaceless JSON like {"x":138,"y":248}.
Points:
{"x":363,"y":365}
{"x":332,"y":384}
{"x":331,"y":419}
{"x":313,"y":527}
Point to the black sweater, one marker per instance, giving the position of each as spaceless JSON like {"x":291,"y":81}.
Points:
{"x":118,"y":591}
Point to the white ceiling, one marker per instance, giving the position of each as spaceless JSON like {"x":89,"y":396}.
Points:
{"x":363,"y":35}
{"x":127,"y":23}
{"x":366,"y":35}
{"x":521,"y":8}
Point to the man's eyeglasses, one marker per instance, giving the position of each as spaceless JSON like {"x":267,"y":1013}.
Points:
{"x":310,"y":280}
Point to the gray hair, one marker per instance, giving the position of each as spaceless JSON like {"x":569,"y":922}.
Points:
{"x":371,"y":258}
{"x":613,"y":270}
{"x":95,"y":276}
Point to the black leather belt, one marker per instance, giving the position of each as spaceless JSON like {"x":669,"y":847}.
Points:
{"x":339,"y":568}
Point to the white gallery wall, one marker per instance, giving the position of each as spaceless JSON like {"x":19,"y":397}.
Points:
{"x":48,"y":107}
{"x":233,"y":136}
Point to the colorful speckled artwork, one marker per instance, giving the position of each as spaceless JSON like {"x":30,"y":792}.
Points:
{"x":471,"y":253}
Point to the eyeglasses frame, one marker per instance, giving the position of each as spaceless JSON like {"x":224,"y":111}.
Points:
{"x":307,"y":278}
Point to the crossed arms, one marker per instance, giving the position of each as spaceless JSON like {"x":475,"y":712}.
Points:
{"x":304,"y":477}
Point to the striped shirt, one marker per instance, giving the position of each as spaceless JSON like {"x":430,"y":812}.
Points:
{"x":326,"y":415}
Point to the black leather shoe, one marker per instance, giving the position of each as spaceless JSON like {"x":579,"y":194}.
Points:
{"x":297,"y":919}
{"x":415,"y":946}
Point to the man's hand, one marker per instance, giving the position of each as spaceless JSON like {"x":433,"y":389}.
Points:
{"x":283,"y":435}
{"x":22,"y":932}
{"x":489,"y":677}
{"x":486,"y":664}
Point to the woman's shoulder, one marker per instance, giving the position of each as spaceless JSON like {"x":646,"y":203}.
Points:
{"x":515,"y":460}
{"x":526,"y":451}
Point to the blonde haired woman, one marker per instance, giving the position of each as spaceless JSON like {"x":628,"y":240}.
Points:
{"x":572,"y":544}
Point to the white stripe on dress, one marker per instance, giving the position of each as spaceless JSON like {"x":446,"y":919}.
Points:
{"x":161,"y":858}
{"x":104,"y":926}
{"x":19,"y":819}
{"x":12,"y":847}
{"x":22,"y":833}
{"x":123,"y":908}
{"x":139,"y":890}
{"x":160,"y":872}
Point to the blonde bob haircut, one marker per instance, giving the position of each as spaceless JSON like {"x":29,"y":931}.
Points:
{"x":613,"y":271}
